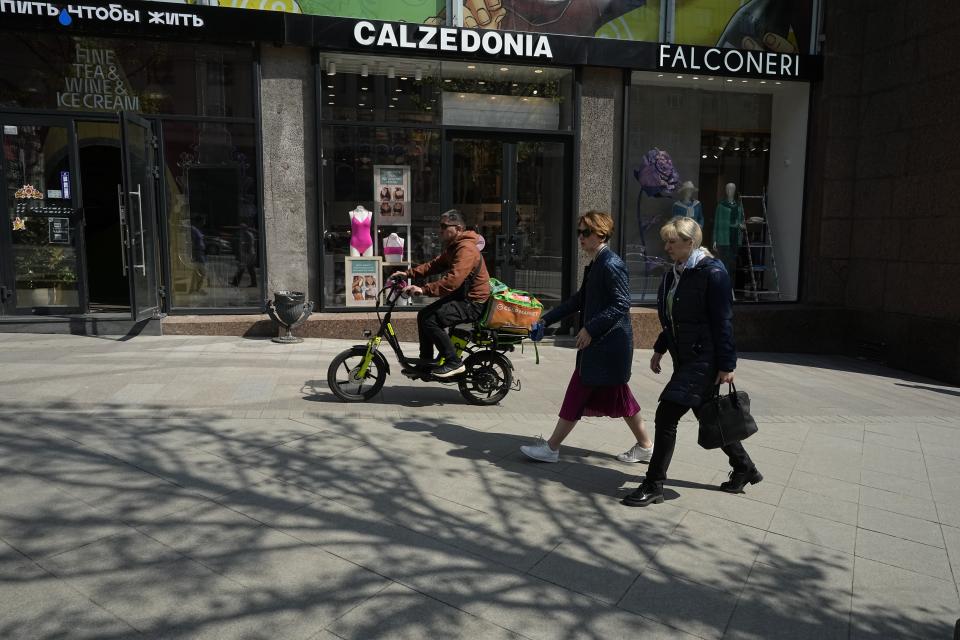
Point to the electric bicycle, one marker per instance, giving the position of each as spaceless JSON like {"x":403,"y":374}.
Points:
{"x":359,"y":373}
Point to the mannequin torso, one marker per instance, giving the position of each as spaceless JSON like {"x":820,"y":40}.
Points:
{"x":360,"y":242}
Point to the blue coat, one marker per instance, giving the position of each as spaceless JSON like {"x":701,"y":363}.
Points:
{"x":604,"y":305}
{"x":699,"y":336}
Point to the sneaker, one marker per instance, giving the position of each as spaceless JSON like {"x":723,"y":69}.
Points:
{"x":541,"y":451}
{"x":449,"y":369}
{"x":636,"y":453}
{"x":739,"y":479}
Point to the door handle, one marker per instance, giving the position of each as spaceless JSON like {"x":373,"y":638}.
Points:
{"x":143,"y":250}
{"x":123,"y":227}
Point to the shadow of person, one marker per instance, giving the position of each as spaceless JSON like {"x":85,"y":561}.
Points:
{"x":575,"y":471}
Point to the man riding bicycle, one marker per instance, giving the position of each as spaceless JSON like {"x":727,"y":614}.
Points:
{"x":463,"y":292}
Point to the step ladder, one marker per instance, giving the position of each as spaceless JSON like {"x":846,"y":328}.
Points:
{"x":761,"y":279}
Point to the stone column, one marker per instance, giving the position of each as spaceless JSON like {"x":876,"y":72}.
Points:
{"x":288,"y":122}
{"x":601,"y":126}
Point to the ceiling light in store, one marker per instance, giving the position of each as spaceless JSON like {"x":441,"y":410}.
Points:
{"x":763,"y":82}
{"x":526,"y":99}
{"x":696,"y":77}
{"x":394,"y":98}
{"x":418,"y":76}
{"x":534,"y":92}
{"x":463,"y":95}
{"x":704,"y":156}
{"x":448,"y":80}
{"x":391,"y":106}
{"x":538,"y":70}
{"x":515,"y":84}
{"x":493,"y":97}
{"x":403,"y":77}
{"x":504,"y":68}
{"x":777,"y":83}
{"x":331,"y":102}
{"x":390,"y":72}
{"x":428,"y":108}
{"x":729,"y":80}
{"x":398,"y":90}
{"x":471,"y":66}
{"x":331,"y":68}
{"x":363,"y":89}
{"x":329,"y":86}
{"x":765,"y":149}
{"x":736,"y":148}
{"x":709,"y":78}
{"x":361,"y":105}
{"x":481,"y":82}
{"x":744,"y":81}
{"x":679,"y":77}
{"x":364,"y":71}
{"x":715,"y":157}
{"x":659,"y":75}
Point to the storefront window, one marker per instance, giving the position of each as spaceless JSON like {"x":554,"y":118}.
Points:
{"x":393,"y":173}
{"x":728,"y":153}
{"x":383,"y":124}
{"x":210,"y":181}
{"x":109,"y":75}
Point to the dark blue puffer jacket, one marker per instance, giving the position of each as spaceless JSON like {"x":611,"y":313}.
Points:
{"x":604,"y":303}
{"x":700,"y":335}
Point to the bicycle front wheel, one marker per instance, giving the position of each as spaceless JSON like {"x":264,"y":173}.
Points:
{"x":345,"y":381}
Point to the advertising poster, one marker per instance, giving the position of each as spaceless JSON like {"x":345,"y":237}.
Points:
{"x":362,"y":279}
{"x":391,"y":192}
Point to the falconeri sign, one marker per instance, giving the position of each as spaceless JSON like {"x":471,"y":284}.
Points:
{"x":728,"y":61}
{"x":424,"y":37}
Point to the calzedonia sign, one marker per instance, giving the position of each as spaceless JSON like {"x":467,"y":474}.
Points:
{"x":728,"y":61}
{"x":424,"y":37}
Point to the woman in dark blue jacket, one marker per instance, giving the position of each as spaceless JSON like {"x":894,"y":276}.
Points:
{"x":695,"y":305}
{"x":598,"y":386}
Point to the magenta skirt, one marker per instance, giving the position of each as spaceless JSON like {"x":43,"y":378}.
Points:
{"x":610,"y":401}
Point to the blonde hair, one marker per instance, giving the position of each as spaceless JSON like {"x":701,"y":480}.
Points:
{"x":683,"y":229}
{"x":599,"y":222}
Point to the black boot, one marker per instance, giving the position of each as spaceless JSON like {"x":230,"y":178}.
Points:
{"x":739,"y":479}
{"x":648,"y":492}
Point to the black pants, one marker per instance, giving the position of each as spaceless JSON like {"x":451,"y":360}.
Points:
{"x":249,"y":267}
{"x":433,"y":320}
{"x":665,"y":422}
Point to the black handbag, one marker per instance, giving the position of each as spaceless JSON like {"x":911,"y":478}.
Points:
{"x":725,"y":419}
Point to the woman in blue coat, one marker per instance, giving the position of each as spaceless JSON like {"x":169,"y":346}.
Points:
{"x":598,"y":386}
{"x":695,"y":306}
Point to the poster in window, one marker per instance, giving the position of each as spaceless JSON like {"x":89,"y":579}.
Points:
{"x":391,"y":192}
{"x":362,"y":278}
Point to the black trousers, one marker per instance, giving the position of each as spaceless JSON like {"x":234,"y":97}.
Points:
{"x":434,"y":319}
{"x":665,"y":422}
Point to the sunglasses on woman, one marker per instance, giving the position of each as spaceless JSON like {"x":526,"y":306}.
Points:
{"x":586,"y":233}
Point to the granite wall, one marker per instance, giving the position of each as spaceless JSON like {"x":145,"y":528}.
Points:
{"x":882,"y":215}
{"x":289,"y":169}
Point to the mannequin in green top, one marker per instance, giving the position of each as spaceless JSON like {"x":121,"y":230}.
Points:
{"x":727,"y":221}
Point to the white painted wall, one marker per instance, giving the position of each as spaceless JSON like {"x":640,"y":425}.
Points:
{"x":788,"y":152}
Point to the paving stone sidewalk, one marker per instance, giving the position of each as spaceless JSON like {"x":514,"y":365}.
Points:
{"x":212,"y":487}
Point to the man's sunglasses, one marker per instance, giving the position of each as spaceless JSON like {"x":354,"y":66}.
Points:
{"x":586,"y":233}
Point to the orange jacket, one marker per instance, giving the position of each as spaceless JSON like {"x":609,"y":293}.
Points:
{"x":458,"y":260}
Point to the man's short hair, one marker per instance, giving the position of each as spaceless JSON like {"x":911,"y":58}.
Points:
{"x":453,"y":217}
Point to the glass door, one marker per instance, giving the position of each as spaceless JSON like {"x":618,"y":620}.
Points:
{"x":515,"y":193}
{"x":138,"y":214}
{"x":40,"y":245}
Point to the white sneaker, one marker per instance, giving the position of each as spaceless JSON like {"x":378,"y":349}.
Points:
{"x":636,"y":453}
{"x":540,"y":451}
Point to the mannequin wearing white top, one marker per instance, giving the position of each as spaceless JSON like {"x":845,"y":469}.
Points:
{"x":687,"y":206}
{"x":361,"y":243}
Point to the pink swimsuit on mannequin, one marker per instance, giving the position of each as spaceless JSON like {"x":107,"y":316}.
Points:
{"x":360,"y":234}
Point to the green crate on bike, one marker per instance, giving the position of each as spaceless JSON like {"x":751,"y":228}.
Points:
{"x":511,"y":310}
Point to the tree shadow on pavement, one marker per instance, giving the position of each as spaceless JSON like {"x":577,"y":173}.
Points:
{"x":180,"y":525}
